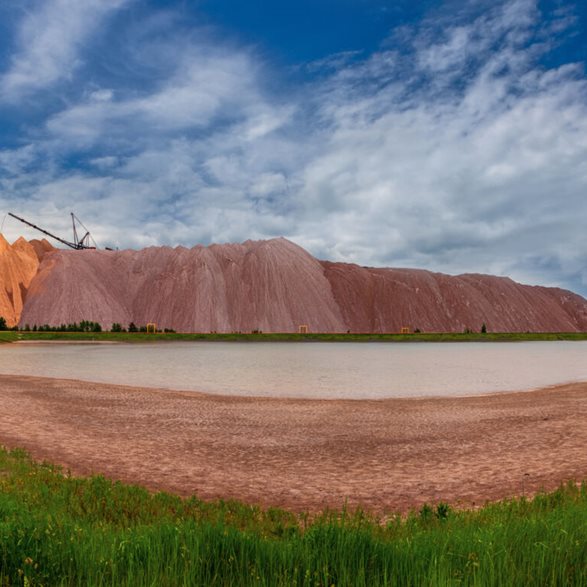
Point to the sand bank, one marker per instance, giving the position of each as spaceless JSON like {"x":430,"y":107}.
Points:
{"x":387,"y":455}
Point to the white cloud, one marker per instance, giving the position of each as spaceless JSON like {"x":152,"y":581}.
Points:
{"x":105,"y":163}
{"x":49,"y":42}
{"x":203,"y":90}
{"x":16,"y":161}
{"x":472,"y":169}
{"x":103,"y":95}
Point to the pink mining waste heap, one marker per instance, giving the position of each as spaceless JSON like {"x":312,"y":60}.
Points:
{"x":273,"y":286}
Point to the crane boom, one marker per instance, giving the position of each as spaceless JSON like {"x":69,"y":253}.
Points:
{"x":78,"y":244}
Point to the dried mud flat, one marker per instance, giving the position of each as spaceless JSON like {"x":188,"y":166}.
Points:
{"x":386,"y":456}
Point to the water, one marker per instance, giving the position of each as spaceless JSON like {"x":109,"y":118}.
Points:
{"x":310,"y":370}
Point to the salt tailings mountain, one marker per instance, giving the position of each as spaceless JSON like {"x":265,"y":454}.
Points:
{"x":19,"y":264}
{"x":273,"y":286}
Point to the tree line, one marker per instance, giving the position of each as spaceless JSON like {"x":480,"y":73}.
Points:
{"x":83,"y":326}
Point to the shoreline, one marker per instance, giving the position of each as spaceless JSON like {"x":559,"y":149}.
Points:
{"x":386,"y":455}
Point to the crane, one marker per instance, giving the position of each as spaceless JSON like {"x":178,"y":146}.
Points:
{"x":78,"y":243}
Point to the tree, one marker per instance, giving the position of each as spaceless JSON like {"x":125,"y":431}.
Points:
{"x":116,"y":327}
{"x":3,"y":325}
{"x":483,"y":328}
{"x":132,"y":327}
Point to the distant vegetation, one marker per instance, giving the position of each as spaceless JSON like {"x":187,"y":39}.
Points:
{"x":140,"y":335}
{"x":90,"y":330}
{"x":60,"y":530}
{"x":83,"y":326}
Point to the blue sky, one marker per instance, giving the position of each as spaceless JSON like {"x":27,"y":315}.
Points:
{"x":449,"y":136}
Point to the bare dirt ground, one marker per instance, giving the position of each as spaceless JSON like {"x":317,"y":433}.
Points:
{"x":386,"y":456}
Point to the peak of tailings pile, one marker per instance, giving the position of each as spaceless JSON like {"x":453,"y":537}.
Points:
{"x":19,"y":263}
{"x":257,"y":285}
{"x":276,"y":286}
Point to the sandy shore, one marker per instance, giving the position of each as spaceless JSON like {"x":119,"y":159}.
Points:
{"x":304,"y":454}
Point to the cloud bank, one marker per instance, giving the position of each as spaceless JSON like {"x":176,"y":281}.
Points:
{"x":453,"y":148}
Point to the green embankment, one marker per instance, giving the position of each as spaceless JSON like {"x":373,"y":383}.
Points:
{"x":60,"y":530}
{"x":292,"y":337}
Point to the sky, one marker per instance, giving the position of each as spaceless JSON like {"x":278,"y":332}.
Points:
{"x":449,"y":136}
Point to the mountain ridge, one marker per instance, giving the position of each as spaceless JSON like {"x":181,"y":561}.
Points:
{"x":270,"y":285}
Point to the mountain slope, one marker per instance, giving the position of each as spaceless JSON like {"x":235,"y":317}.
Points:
{"x":385,"y":300}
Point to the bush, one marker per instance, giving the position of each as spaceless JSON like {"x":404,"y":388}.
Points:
{"x":3,"y":325}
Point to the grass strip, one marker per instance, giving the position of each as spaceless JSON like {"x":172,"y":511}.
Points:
{"x":139,"y":337}
{"x":56,"y":529}
{"x":8,"y":336}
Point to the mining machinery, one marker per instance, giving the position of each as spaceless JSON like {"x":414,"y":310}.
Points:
{"x":79,"y":244}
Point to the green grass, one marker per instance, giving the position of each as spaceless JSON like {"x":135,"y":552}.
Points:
{"x":293,"y":337}
{"x":60,"y":530}
{"x":8,"y":336}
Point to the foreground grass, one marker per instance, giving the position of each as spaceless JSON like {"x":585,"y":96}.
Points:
{"x":59,"y":530}
{"x":293,"y":337}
